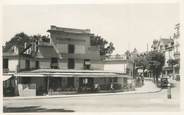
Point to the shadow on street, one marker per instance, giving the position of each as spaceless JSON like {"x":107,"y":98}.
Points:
{"x":32,"y":109}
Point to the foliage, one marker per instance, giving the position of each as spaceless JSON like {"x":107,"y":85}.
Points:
{"x":18,"y":40}
{"x":106,"y":48}
{"x":141,"y":61}
{"x":128,"y":54}
{"x":172,"y":62}
{"x":40,"y":38}
{"x":155,"y":62}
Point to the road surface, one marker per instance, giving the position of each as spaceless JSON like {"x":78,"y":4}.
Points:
{"x":146,"y":102}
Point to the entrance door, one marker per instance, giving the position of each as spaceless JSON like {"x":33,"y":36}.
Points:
{"x":70,"y":82}
{"x":86,"y":82}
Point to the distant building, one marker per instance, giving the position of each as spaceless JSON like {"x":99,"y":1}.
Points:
{"x":170,"y":48}
{"x":119,"y":63}
{"x":166,"y":47}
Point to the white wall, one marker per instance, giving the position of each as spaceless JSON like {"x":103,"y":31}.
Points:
{"x":115,"y":67}
{"x":22,"y":64}
{"x":63,"y":48}
{"x":78,"y":66}
{"x":12,"y":64}
{"x":63,"y":65}
{"x":32,"y":64}
{"x":44,"y":64}
{"x":97,"y":66}
{"x":79,"y":49}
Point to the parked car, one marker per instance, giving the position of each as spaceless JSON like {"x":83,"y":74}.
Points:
{"x":177,"y":77}
{"x":164,"y":82}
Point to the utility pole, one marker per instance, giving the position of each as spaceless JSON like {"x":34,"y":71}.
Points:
{"x":147,"y":48}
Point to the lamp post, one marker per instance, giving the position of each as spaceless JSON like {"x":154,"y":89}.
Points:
{"x":169,"y":91}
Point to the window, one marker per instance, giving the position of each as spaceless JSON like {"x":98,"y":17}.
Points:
{"x":27,"y":64}
{"x":25,"y":80}
{"x":54,"y":63}
{"x":71,"y":48}
{"x":115,"y":79}
{"x":71,"y":63}
{"x":87,"y":64}
{"x":5,"y":63}
{"x":37,"y":65}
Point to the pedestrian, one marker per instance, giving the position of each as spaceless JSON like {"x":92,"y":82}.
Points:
{"x":112,"y":88}
{"x":96,"y":87}
{"x":142,"y":77}
{"x":138,"y":80}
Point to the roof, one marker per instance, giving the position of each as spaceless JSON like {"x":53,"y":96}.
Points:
{"x":71,"y":73}
{"x":69,"y":30}
{"x":47,"y":51}
{"x":6,"y":77}
{"x":165,"y":40}
{"x":9,"y":54}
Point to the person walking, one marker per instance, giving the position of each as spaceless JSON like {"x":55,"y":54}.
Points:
{"x":142,"y":78}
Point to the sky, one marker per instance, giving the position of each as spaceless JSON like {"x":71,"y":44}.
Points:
{"x":128,"y":26}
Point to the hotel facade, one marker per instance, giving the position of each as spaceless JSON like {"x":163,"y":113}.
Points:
{"x":66,"y":63}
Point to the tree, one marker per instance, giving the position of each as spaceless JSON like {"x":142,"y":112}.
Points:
{"x":155,"y":63}
{"x":141,"y":62}
{"x":106,"y":48}
{"x":18,"y":40}
{"x":39,"y":37}
{"x":128,"y":55}
{"x":172,"y":62}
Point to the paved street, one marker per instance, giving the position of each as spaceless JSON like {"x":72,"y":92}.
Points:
{"x":102,"y":103}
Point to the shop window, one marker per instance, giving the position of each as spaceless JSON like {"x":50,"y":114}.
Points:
{"x":115,"y":79}
{"x":70,"y":82}
{"x":26,"y":80}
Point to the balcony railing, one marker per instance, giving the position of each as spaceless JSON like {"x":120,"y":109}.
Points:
{"x":177,"y":55}
{"x":116,"y":57}
{"x":54,"y":65}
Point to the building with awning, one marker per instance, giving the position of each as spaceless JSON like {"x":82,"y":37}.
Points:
{"x":56,"y":81}
{"x":68,"y":62}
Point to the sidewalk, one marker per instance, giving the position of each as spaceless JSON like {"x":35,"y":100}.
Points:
{"x":149,"y":87}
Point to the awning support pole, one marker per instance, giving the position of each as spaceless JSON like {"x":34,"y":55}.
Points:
{"x":47,"y":85}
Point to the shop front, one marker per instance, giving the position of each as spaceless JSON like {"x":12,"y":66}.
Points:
{"x":68,"y":82}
